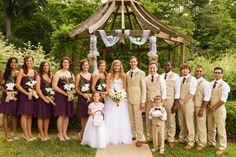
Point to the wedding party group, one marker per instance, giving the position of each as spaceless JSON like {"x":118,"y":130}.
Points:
{"x":111,"y":104}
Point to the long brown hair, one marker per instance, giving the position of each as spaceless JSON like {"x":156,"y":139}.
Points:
{"x":112,"y":71}
{"x":24,"y":66}
{"x":62,"y":60}
{"x":41,"y":69}
{"x":101,"y":62}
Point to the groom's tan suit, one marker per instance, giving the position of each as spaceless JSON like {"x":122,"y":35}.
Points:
{"x":136,"y":85}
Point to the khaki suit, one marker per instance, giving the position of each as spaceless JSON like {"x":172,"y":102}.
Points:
{"x":216,"y":120}
{"x":200,"y":126}
{"x":136,"y":87}
{"x":186,"y":115}
{"x":170,"y":123}
{"x":153,"y":89}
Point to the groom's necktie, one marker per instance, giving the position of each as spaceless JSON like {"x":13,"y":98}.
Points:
{"x":131,"y":75}
{"x":184,"y":80}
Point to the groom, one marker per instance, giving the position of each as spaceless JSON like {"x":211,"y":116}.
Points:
{"x":137,"y":97}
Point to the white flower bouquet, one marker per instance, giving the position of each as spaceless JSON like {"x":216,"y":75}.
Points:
{"x":85,"y":88}
{"x":102,"y":87}
{"x":69,"y":86}
{"x":10,"y":91}
{"x":31,"y":83}
{"x":50,"y":94}
{"x":117,"y":95}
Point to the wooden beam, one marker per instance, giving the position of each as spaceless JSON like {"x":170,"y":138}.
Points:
{"x":122,"y":15}
{"x":143,"y":20}
{"x":103,"y":19}
{"x":119,"y":14}
{"x":126,"y":49}
{"x":182,"y":54}
{"x":88,"y":22}
{"x":130,"y":21}
{"x":165,"y":36}
{"x":114,"y":18}
{"x":162,"y":27}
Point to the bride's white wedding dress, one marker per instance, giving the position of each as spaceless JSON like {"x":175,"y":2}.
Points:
{"x":117,"y":118}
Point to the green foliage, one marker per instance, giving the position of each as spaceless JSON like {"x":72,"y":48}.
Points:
{"x":8,"y":50}
{"x":231,"y":118}
{"x":226,"y":61}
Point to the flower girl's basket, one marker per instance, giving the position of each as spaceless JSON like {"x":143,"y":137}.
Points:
{"x":98,"y":118}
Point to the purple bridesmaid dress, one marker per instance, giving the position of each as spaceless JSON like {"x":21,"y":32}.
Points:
{"x":8,"y":108}
{"x":63,"y":107}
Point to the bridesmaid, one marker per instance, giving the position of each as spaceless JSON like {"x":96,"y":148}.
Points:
{"x":64,"y":98}
{"x":43,"y":105}
{"x":9,"y":108}
{"x":99,"y":79}
{"x":26,"y":104}
{"x":83,"y":80}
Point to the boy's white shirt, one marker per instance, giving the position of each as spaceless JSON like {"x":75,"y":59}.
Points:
{"x":159,"y":113}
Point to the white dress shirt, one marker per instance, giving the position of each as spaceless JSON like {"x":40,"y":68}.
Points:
{"x":163,"y":85}
{"x":225,"y":89}
{"x":206,"y":89}
{"x":193,"y":83}
{"x":176,"y":80}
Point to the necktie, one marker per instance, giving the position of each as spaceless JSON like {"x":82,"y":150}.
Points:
{"x":184,"y":80}
{"x":131,"y":74}
{"x":152,"y":79}
{"x":165,"y":76}
{"x":214,"y":85}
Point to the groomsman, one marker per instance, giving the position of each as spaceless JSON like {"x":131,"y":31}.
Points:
{"x":156,"y":86}
{"x":136,"y":86}
{"x":172,"y":81}
{"x":186,"y":107}
{"x":217,"y":112}
{"x":201,"y":99}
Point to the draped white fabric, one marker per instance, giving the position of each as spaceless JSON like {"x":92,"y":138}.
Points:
{"x":93,"y":45}
{"x":109,"y":40}
{"x":152,"y":46}
{"x":138,"y":41}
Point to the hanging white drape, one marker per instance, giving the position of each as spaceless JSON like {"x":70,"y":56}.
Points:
{"x":138,"y":41}
{"x":93,"y":52}
{"x":152,"y":46}
{"x":109,"y":40}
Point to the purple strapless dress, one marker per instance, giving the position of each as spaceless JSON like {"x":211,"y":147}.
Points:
{"x":8,"y":108}
{"x":43,"y":109}
{"x":82,"y":102}
{"x":26,"y":106}
{"x":63,"y":107}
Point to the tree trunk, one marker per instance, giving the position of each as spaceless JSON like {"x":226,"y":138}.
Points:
{"x":8,"y":26}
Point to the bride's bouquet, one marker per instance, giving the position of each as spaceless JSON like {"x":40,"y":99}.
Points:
{"x":50,"y":94}
{"x":31,"y":83}
{"x":117,"y":95}
{"x":85,"y":88}
{"x":10,"y":90}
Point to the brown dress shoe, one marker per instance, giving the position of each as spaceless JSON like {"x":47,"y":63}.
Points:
{"x":220,"y":152}
{"x":199,"y":148}
{"x":171,"y":144}
{"x":139,"y":144}
{"x":187,"y":147}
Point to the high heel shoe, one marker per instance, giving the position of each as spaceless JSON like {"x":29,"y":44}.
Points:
{"x":61,"y":138}
{"x":66,"y":137}
{"x":9,"y":139}
{"x":14,"y":136}
{"x":27,"y":139}
{"x":42,"y":139}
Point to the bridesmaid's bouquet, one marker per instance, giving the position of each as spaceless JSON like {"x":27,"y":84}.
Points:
{"x":85,"y":88}
{"x":69,"y":86}
{"x":10,"y":90}
{"x":102,"y":85}
{"x":50,"y":94}
{"x":117,"y":95}
{"x":31,"y":83}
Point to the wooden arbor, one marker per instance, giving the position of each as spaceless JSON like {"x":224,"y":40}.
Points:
{"x":137,"y":16}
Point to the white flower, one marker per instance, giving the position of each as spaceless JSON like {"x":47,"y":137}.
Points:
{"x":10,"y":86}
{"x":85,"y":88}
{"x":101,"y":86}
{"x":50,"y":91}
{"x":118,"y":94}
{"x":69,"y":86}
{"x":31,"y":83}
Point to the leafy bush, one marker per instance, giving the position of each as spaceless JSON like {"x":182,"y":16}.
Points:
{"x":8,"y":50}
{"x":231,"y":119}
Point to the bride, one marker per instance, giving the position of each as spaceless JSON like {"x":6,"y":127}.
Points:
{"x":116,"y":117}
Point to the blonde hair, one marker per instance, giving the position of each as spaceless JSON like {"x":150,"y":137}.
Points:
{"x":112,"y":71}
{"x":156,"y":98}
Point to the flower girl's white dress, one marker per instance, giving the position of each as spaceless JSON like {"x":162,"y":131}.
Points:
{"x":95,"y":136}
{"x":117,"y":118}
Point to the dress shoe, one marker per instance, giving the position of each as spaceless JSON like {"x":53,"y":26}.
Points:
{"x":61,"y":138}
{"x":209,"y":145}
{"x":139,"y":144}
{"x":199,"y":148}
{"x":9,"y":139}
{"x":187,"y":147}
{"x":66,"y":137}
{"x":171,"y":144}
{"x":153,"y":149}
{"x":220,"y":152}
{"x":27,"y":139}
{"x":161,"y":151}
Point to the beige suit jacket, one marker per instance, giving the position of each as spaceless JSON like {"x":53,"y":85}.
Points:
{"x":136,"y":87}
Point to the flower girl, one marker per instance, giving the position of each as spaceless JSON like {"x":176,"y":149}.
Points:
{"x":95,"y":133}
